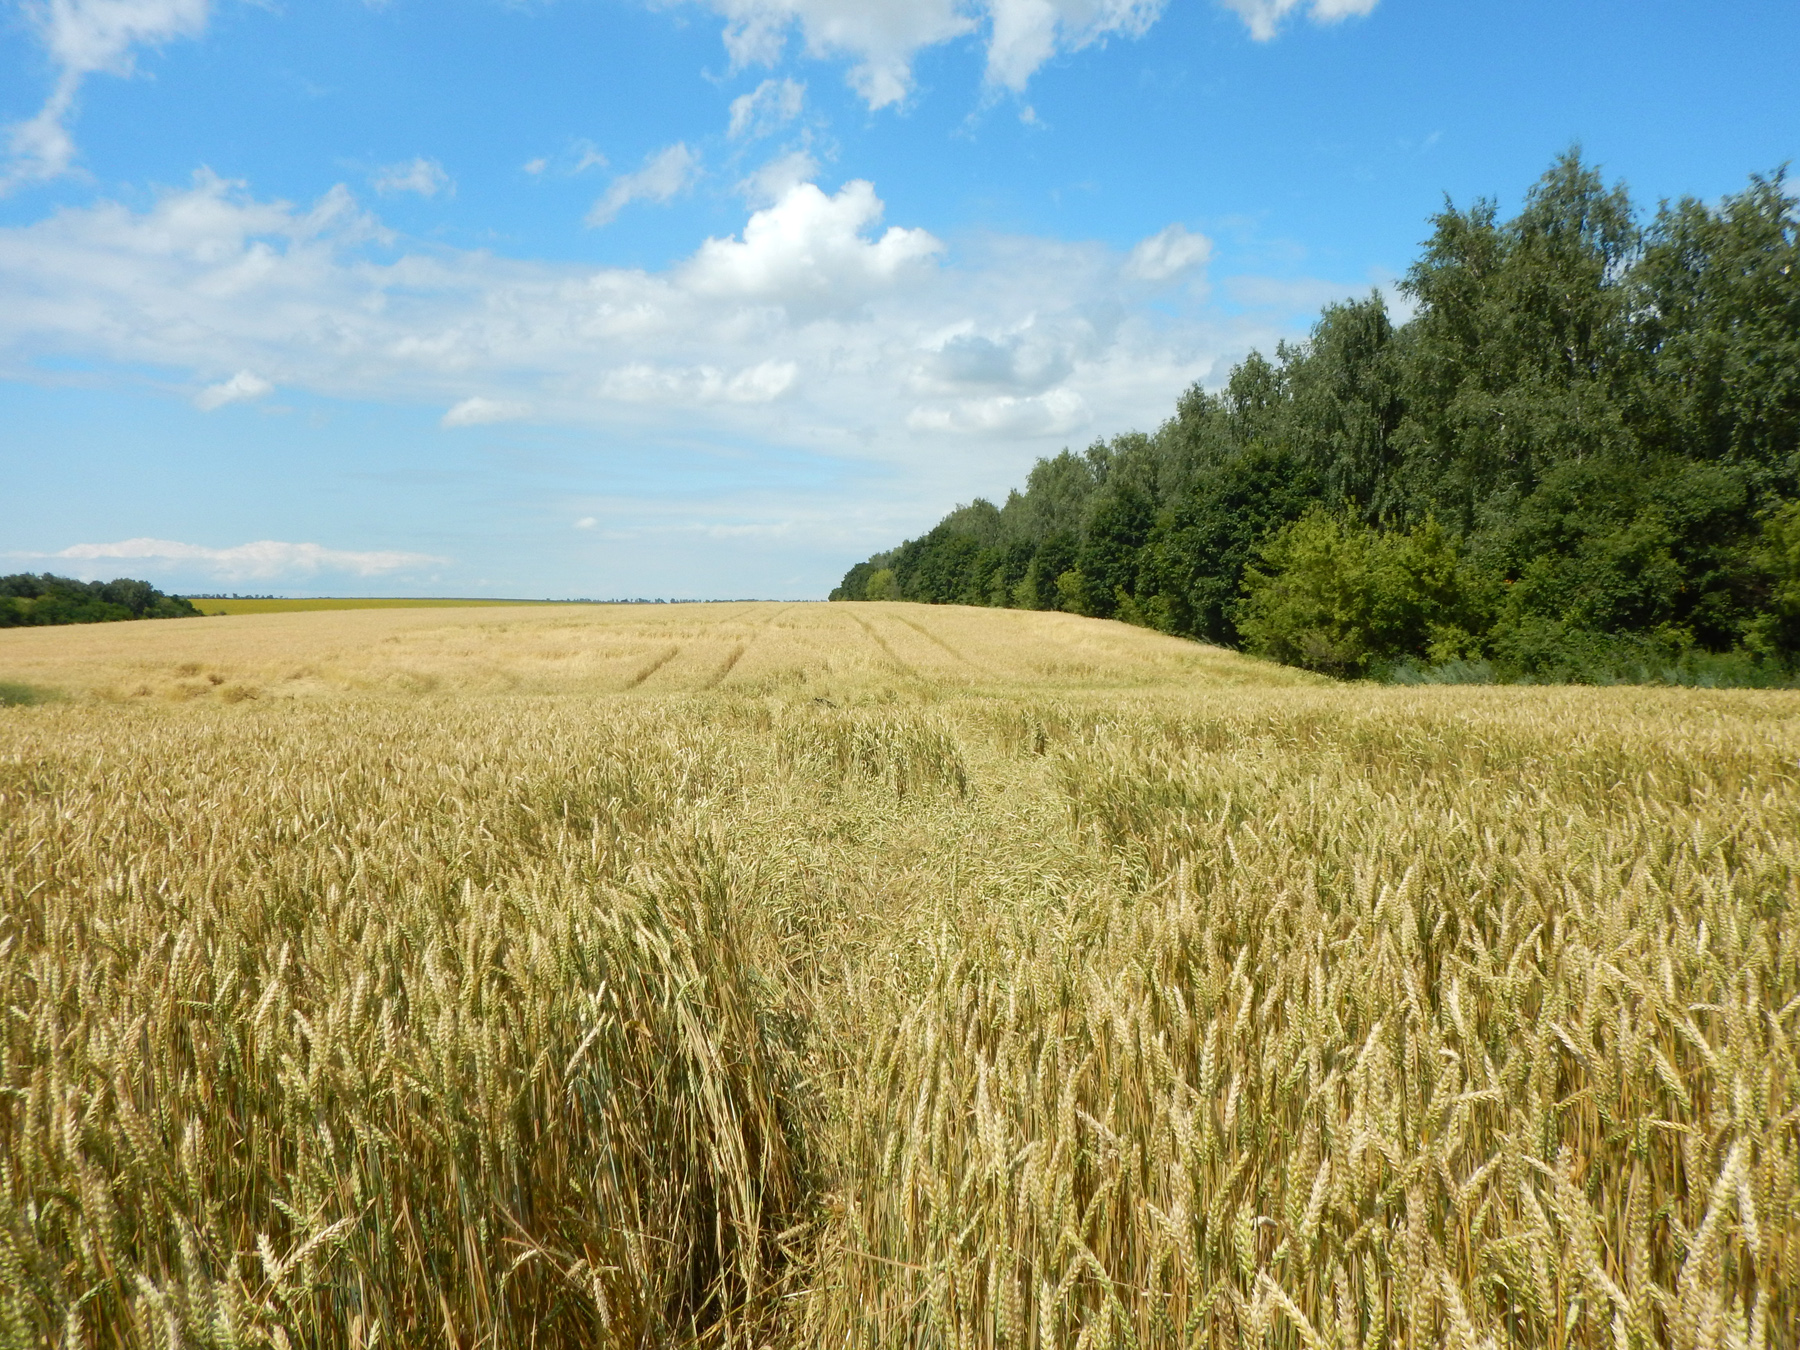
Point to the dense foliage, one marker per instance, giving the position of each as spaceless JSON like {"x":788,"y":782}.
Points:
{"x":27,"y":600}
{"x":1579,"y":456}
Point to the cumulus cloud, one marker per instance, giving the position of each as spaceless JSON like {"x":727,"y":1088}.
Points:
{"x":664,"y":175}
{"x":774,"y":180}
{"x":243,"y":387}
{"x":1264,"y":18}
{"x":1167,"y":253}
{"x":768,"y":107}
{"x":475,"y":412}
{"x":817,"y":325}
{"x":1026,"y":360}
{"x":808,"y":250}
{"x":83,"y":38}
{"x":264,"y":558}
{"x":423,"y":176}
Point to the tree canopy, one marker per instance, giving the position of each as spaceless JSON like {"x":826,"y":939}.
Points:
{"x":27,"y":600}
{"x":1583,"y":446}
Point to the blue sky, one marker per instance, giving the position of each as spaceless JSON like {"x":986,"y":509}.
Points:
{"x":611,"y":298}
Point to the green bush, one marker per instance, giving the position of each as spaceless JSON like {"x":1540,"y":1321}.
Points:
{"x":1341,"y":598}
{"x":1776,"y":631}
{"x":14,"y":695}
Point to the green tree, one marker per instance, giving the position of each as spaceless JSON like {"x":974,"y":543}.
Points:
{"x":1514,"y":358}
{"x":1052,"y":558}
{"x":1717,"y":301}
{"x":1598,"y":415}
{"x":1191,"y":570}
{"x":28,"y":600}
{"x":1656,"y":549}
{"x":1107,"y":559}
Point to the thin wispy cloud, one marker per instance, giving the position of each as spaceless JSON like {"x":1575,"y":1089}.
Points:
{"x":881,"y":39}
{"x":83,"y":38}
{"x":665,"y":174}
{"x":424,"y":177}
{"x":766,"y":108}
{"x":1265,"y":18}
{"x":265,"y":558}
{"x":243,"y":387}
{"x":1167,"y":253}
{"x":478,"y":411}
{"x":581,"y":156}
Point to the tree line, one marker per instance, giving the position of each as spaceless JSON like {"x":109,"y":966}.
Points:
{"x":1577,"y":458}
{"x":27,"y":600}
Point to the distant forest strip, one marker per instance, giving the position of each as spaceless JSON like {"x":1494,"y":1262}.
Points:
{"x":269,"y":604}
{"x":1577,"y":460}
{"x":28,"y":601}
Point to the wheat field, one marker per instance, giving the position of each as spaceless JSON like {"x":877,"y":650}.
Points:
{"x":879,"y":975}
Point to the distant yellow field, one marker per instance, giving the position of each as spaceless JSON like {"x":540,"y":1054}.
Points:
{"x":346,"y":602}
{"x":880,"y":975}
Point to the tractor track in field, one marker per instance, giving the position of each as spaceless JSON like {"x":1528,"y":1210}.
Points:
{"x":881,"y":642}
{"x":737,"y":653}
{"x":929,"y":636}
{"x":638,"y":679}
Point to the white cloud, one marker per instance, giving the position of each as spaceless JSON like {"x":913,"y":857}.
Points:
{"x":82,"y":38}
{"x":640,"y":382}
{"x":423,"y":176}
{"x":1027,"y":33}
{"x":1025,"y":360}
{"x":774,"y":180}
{"x":881,"y":37}
{"x":576,"y":159}
{"x":264,"y":558}
{"x":242,"y":387}
{"x":1265,"y":17}
{"x":475,"y":412}
{"x":1167,"y":253}
{"x":808,"y":250}
{"x":768,"y":107}
{"x":1056,"y":413}
{"x":664,"y":174}
{"x":586,"y":523}
{"x":817,"y":326}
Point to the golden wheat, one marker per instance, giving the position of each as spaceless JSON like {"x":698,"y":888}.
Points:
{"x":878,"y":975}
